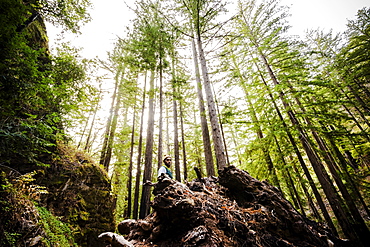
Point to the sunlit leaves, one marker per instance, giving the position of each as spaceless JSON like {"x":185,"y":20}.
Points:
{"x":67,"y":13}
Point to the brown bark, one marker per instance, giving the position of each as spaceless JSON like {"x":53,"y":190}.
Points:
{"x":203,"y":120}
{"x":359,"y":223}
{"x":147,"y":176}
{"x":302,"y":163}
{"x":176,"y":137}
{"x":183,"y":141}
{"x":160,"y":130}
{"x":139,"y":153}
{"x":215,"y":126}
{"x":130,"y":167}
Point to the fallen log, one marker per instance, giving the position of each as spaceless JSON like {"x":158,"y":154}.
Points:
{"x":114,"y":239}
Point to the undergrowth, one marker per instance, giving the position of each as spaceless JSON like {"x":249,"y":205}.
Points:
{"x":57,"y":232}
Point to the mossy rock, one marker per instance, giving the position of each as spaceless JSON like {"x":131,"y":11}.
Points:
{"x":79,"y":193}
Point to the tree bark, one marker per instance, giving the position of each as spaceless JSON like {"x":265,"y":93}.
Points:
{"x":160,"y":130}
{"x":139,"y":152}
{"x":302,"y":163}
{"x":130,"y":168}
{"x":145,"y":196}
{"x":183,"y":141}
{"x":176,"y":135}
{"x":215,"y":126}
{"x":359,"y":223}
{"x":109,"y":120}
{"x":210,"y":168}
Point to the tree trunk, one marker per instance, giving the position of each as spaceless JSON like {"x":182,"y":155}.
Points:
{"x":109,"y":120}
{"x":129,"y":183}
{"x":176,"y":135}
{"x":210,"y":168}
{"x":359,"y":223}
{"x":139,"y":152}
{"x":222,"y":130}
{"x":160,"y":130}
{"x":112,"y":130}
{"x":183,"y":141}
{"x":301,"y":161}
{"x":145,"y":196}
{"x":167,"y":129}
{"x":91,"y":127}
{"x":257,"y":127}
{"x":84,"y":129}
{"x":215,"y":126}
{"x":323,"y":177}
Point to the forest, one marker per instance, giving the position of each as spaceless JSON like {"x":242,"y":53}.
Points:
{"x":221,"y":87}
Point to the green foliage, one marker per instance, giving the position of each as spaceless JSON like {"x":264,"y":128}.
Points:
{"x":149,"y":41}
{"x":57,"y":233}
{"x":36,"y":90}
{"x":119,"y":182}
{"x":17,"y":208}
{"x":67,"y":13}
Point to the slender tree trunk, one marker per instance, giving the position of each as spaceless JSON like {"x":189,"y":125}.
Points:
{"x":323,"y":177}
{"x":222,"y":129}
{"x":359,"y":223}
{"x":130,"y":168}
{"x":236,"y":146}
{"x":91,"y":127}
{"x":84,"y":129}
{"x":257,"y":127}
{"x":112,"y":130}
{"x":176,"y":136}
{"x":212,"y":112}
{"x":183,"y":141}
{"x":302,"y":163}
{"x":203,"y":120}
{"x":139,"y":152}
{"x":167,"y":130}
{"x":355,"y":119}
{"x":109,"y":120}
{"x":160,"y":131}
{"x":358,"y":98}
{"x":347,"y":177}
{"x":145,"y":196}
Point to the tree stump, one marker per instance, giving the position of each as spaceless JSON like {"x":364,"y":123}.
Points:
{"x":233,"y":210}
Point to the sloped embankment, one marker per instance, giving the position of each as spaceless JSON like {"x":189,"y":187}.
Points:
{"x":67,"y":203}
{"x":79,"y":193}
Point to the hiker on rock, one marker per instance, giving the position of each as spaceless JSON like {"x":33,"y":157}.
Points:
{"x":165,"y":168}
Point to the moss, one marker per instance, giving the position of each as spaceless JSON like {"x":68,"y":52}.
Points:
{"x":58,"y":233}
{"x":80,"y":194}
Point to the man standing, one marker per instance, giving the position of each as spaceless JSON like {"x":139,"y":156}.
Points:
{"x":165,"y":168}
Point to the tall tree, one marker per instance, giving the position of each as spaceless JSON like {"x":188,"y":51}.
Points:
{"x":147,"y":176}
{"x":139,"y":154}
{"x":201,"y":13}
{"x":263,"y":43}
{"x":203,"y":120}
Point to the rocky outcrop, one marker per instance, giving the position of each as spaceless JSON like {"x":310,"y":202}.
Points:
{"x":66,"y":204}
{"x":80,"y":194}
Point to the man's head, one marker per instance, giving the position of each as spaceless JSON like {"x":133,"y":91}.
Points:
{"x":167,"y":160}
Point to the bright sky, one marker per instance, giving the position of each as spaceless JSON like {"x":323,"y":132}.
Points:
{"x":109,"y":19}
{"x":324,"y":14}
